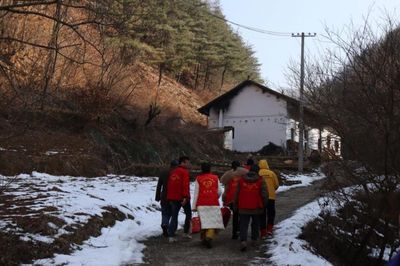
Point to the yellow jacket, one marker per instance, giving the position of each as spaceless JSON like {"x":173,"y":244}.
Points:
{"x":270,"y":178}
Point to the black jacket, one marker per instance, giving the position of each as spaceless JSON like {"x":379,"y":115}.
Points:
{"x":161,"y":192}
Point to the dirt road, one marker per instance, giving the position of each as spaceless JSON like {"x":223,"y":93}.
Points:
{"x":225,"y":251}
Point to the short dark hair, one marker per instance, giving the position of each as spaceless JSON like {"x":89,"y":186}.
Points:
{"x":250,"y":161}
{"x":235,"y":165}
{"x":174,"y":163}
{"x":183,"y":158}
{"x":254,"y":168}
{"x":205,"y":167}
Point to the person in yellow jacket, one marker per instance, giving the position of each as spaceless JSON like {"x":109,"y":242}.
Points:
{"x":272,"y":182}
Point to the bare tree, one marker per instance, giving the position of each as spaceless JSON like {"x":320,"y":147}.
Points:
{"x":356,"y":89}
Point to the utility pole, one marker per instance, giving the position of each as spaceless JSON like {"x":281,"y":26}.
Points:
{"x":301,"y":105}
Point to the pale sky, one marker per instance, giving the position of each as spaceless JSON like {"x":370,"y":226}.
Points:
{"x":295,"y":16}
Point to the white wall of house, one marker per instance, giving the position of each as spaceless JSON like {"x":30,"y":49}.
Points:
{"x":257,"y":118}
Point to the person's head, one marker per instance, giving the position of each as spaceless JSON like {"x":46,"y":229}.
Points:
{"x":184,"y":160}
{"x":205,"y":168}
{"x":235,"y":165}
{"x":253,"y":173}
{"x":254,"y":168}
{"x":250,"y":161}
{"x":263,"y":164}
{"x":174,"y":163}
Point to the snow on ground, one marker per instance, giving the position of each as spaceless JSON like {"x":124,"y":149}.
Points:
{"x":286,"y":249}
{"x":79,"y":198}
{"x":304,"y":179}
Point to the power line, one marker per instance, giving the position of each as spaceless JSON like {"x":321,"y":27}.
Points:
{"x":258,"y":30}
{"x":268,"y":32}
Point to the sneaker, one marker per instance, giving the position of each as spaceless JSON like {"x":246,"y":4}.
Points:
{"x":172,"y":239}
{"x":165,"y":230}
{"x":187,"y":236}
{"x":243,"y":246}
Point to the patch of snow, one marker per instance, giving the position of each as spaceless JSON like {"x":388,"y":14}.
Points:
{"x":2,"y":149}
{"x":37,"y":238}
{"x":286,"y":248}
{"x":49,"y":153}
{"x":115,"y":246}
{"x":305,"y":180}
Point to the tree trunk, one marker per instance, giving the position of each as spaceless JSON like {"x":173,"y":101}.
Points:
{"x":206,"y":76}
{"x":196,"y":81}
{"x":52,"y":57}
{"x":222,"y":79}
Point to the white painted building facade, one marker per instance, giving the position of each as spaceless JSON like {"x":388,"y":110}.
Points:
{"x":254,"y":115}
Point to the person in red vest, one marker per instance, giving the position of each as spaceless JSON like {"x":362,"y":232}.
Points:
{"x":230,"y":180}
{"x":207,"y":190}
{"x":178,"y":195}
{"x":250,"y":198}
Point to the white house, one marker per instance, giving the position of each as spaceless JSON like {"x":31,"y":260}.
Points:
{"x":253,"y":115}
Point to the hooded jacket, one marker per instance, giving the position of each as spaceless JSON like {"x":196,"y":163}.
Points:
{"x":230,"y":180}
{"x":270,"y":178}
{"x":251,"y":194}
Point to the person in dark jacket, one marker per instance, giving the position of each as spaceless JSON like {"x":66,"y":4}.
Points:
{"x":161,"y":196}
{"x":250,"y":199}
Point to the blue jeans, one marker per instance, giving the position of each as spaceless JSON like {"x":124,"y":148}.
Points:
{"x":175,"y":206}
{"x":165,"y":213}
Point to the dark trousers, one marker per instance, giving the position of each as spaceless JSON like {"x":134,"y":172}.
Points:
{"x":188,"y":217}
{"x":244,"y":225}
{"x":165,"y":213}
{"x":235,"y":220}
{"x":173,"y":223}
{"x":271,"y":211}
{"x":268,"y":215}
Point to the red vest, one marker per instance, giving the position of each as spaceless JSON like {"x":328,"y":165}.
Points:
{"x":178,"y":184}
{"x":208,"y":190}
{"x":231,"y":189}
{"x":250,"y":194}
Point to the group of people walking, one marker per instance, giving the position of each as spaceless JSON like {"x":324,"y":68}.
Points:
{"x":249,"y":192}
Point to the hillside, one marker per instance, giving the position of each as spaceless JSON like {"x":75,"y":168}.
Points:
{"x":69,"y":143}
{"x":103,"y":87}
